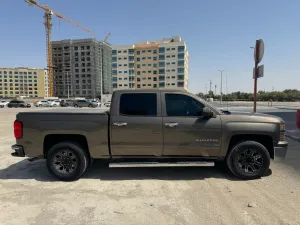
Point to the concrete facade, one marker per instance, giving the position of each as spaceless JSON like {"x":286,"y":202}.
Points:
{"x":157,"y":64}
{"x":82,"y":68}
{"x":22,"y":81}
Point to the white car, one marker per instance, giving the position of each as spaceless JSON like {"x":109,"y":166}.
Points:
{"x":107,"y":104}
{"x":54,"y":103}
{"x":42,"y":103}
{"x":3,"y":103}
{"x":96,"y":102}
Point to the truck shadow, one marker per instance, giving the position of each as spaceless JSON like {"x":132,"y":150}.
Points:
{"x":37,"y":170}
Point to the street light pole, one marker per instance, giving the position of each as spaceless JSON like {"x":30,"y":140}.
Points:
{"x":221,"y":84}
{"x":68,"y":84}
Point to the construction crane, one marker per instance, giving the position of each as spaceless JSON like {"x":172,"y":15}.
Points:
{"x":48,"y":25}
{"x":107,"y":36}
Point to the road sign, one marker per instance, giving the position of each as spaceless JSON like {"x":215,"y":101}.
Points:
{"x":259,"y":50}
{"x":259,"y":72}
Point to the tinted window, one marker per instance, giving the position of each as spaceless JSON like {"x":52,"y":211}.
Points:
{"x":138,"y":104}
{"x":182,"y":105}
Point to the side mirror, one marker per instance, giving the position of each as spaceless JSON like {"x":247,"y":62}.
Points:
{"x":207,"y":113}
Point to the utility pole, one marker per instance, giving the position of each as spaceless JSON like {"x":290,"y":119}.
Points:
{"x":68,"y":84}
{"x":215,"y":89}
{"x":226,"y":87}
{"x":221,"y":84}
{"x":210,"y":83}
{"x":205,"y":89}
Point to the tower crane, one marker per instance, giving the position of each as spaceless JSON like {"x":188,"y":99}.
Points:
{"x":48,"y":25}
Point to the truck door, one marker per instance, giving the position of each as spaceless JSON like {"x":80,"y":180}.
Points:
{"x":136,"y":124}
{"x":186,"y":132}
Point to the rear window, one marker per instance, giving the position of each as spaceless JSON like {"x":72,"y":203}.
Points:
{"x":144,"y":104}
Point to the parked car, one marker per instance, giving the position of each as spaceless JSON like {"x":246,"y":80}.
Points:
{"x":96,"y":102}
{"x":107,"y":104}
{"x":18,"y":104}
{"x":66,"y":103}
{"x":42,"y":103}
{"x":84,"y":103}
{"x":3,"y":103}
{"x":151,"y":126}
{"x":54,"y":103}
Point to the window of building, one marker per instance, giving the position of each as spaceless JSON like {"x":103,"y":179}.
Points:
{"x":124,"y":51}
{"x":82,"y":48}
{"x":149,"y":78}
{"x":180,"y":55}
{"x":114,"y":65}
{"x":154,"y":58}
{"x":138,"y":73}
{"x":149,"y":64}
{"x":161,"y":78}
{"x":154,"y":72}
{"x":120,"y":85}
{"x":131,"y":72}
{"x":131,"y":65}
{"x":131,"y":58}
{"x":149,"y":71}
{"x":162,"y":50}
{"x":114,"y":52}
{"x":182,"y":105}
{"x":149,"y":57}
{"x":114,"y":85}
{"x":161,"y":84}
{"x":143,"y":64}
{"x":173,"y":70}
{"x":119,"y":51}
{"x":130,"y":51}
{"x":161,"y":71}
{"x":138,"y":59}
{"x":144,"y":72}
{"x":125,"y":65}
{"x":161,"y":64}
{"x":168,"y":56}
{"x":181,"y":48}
{"x":138,"y":79}
{"x":180,"y":70}
{"x":154,"y":51}
{"x":143,"y":58}
{"x":143,"y":51}
{"x":168,"y":49}
{"x":138,"y":52}
{"x":114,"y":59}
{"x":161,"y":57}
{"x":138,"y":86}
{"x":138,"y":66}
{"x":173,"y":56}
{"x":180,"y":84}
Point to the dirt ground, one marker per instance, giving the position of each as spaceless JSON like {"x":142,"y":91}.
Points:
{"x":159,"y":195}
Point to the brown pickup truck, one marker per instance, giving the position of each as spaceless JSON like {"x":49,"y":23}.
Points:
{"x":150,"y":126}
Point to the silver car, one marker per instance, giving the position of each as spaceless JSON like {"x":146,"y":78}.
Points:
{"x":85,"y":103}
{"x":42,"y":103}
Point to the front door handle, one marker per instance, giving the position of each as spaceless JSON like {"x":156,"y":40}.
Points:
{"x":120,"y":124}
{"x":171,"y":124}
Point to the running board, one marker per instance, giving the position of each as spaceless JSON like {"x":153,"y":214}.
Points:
{"x":162,"y":164}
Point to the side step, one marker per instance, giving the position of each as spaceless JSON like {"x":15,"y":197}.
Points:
{"x":162,"y":164}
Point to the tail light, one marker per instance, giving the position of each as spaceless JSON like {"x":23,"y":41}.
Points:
{"x":18,"y":129}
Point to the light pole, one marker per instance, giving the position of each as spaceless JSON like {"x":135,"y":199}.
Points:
{"x":221,"y":84}
{"x":68,"y":84}
{"x":210,"y":83}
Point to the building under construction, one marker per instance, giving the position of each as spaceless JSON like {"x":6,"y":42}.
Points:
{"x":81,"y":68}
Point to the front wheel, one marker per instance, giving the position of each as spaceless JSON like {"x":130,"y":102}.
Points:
{"x":76,"y":106}
{"x":248,"y":160}
{"x":28,"y":106}
{"x":1,"y":106}
{"x":90,"y":106}
{"x":67,"y":161}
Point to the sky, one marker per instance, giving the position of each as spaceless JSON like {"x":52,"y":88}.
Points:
{"x":218,"y":35}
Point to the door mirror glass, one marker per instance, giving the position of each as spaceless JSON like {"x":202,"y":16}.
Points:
{"x":207,"y":113}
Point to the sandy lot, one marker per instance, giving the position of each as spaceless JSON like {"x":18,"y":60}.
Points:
{"x":159,"y":195}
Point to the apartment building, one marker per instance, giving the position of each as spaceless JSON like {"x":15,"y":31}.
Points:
{"x":152,"y":64}
{"x":82,"y":68}
{"x":23,"y":81}
{"x":123,"y":67}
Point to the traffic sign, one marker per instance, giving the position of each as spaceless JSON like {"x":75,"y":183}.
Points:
{"x":259,"y":50}
{"x":259,"y":72}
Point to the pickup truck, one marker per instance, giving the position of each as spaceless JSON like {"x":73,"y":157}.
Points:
{"x":150,"y":126}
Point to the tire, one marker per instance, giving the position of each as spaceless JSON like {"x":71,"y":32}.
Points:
{"x":90,"y":106}
{"x":40,"y":105}
{"x":72,"y":151}
{"x":248,"y":160}
{"x":1,"y":106}
{"x":66,"y":105}
{"x":9,"y":106}
{"x":28,"y":106}
{"x":76,"y":106}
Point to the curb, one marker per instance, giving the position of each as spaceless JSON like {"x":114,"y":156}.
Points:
{"x":295,"y":138}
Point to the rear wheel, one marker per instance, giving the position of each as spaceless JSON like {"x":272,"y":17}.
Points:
{"x":28,"y":106}
{"x":90,"y":106}
{"x":67,"y":161}
{"x":9,"y":106}
{"x":40,"y":105}
{"x":76,"y":106}
{"x":248,"y":160}
{"x":1,"y":106}
{"x":66,"y":104}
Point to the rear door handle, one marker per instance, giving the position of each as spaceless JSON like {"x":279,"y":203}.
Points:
{"x":120,"y":124}
{"x":171,"y":124}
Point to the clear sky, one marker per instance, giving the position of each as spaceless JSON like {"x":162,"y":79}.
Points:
{"x":218,"y":34}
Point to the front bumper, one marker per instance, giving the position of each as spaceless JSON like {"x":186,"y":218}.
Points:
{"x":18,"y":151}
{"x":280,"y":150}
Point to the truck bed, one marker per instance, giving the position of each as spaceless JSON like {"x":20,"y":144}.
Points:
{"x":43,"y":125}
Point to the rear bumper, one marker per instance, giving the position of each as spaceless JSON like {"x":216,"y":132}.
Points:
{"x":18,"y":151}
{"x":280,"y":150}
